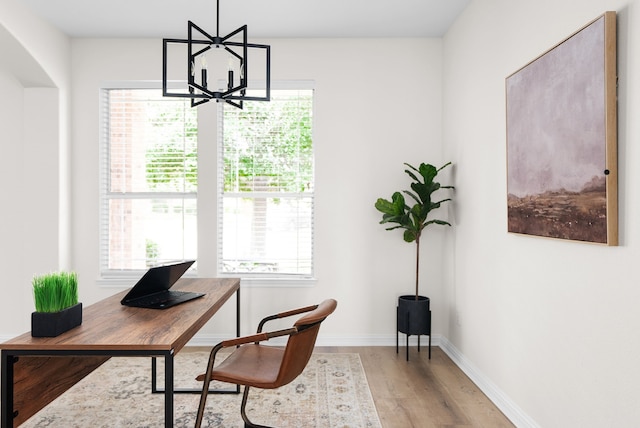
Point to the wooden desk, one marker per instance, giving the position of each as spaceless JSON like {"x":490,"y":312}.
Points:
{"x":36,"y":370}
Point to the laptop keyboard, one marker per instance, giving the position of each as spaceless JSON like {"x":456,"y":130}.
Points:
{"x":159,"y":298}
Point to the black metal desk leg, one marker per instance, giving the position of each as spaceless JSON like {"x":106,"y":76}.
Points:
{"x":154,"y":374}
{"x":238,"y":312}
{"x":237,"y":389}
{"x":168,"y":390}
{"x":7,"y":390}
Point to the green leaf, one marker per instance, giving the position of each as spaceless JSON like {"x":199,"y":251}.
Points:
{"x":395,"y":207}
{"x":428,"y":172}
{"x":384,"y":206}
{"x":411,"y":174}
{"x":409,"y":235}
{"x":440,"y":222}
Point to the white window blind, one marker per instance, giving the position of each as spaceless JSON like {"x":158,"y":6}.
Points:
{"x":266,"y":187}
{"x":148,"y":180}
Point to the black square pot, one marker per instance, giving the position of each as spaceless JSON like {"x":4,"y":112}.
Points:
{"x":414,"y":316}
{"x":52,"y":324}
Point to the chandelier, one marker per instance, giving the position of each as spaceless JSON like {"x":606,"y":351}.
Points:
{"x":217,"y":68}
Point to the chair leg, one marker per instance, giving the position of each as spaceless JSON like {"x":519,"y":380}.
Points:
{"x":247,"y":422}
{"x":203,"y":402}
{"x":205,"y":386}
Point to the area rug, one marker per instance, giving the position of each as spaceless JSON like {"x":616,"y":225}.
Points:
{"x":331,"y":392}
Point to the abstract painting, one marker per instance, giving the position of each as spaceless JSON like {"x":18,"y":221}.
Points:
{"x":562,"y":139}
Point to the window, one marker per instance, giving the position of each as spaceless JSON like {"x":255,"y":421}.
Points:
{"x":149,"y":190}
{"x":266,"y":187}
{"x":148,"y":180}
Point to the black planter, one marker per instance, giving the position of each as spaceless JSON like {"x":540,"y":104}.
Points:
{"x":52,"y":324}
{"x":414,"y":318}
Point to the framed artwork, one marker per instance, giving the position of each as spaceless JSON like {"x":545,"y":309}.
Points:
{"x":562,"y":139}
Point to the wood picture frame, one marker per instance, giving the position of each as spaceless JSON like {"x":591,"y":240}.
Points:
{"x":561,"y":108}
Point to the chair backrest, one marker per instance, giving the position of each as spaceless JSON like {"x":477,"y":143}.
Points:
{"x":300,"y":344}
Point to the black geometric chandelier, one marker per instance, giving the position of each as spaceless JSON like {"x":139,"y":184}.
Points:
{"x":217,"y":68}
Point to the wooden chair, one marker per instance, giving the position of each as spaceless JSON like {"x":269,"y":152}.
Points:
{"x":266,"y":367}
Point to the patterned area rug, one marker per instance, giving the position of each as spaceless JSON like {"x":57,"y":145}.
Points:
{"x":331,"y":392}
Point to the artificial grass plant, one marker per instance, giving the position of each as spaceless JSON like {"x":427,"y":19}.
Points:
{"x":55,"y":291}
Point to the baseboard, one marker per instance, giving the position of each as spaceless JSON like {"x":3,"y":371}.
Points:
{"x":507,"y":406}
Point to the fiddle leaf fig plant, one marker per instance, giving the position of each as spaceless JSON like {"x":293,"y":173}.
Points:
{"x":413,"y":219}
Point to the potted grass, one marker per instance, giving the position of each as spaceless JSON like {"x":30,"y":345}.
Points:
{"x":414,"y":314}
{"x":56,"y":300}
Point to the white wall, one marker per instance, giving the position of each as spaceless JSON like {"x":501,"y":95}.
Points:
{"x":552,"y":324}
{"x":34,"y":82}
{"x":11,"y":223}
{"x":378,"y":104}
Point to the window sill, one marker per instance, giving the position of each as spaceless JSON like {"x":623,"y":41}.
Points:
{"x":122,"y":281}
{"x":278,"y":282}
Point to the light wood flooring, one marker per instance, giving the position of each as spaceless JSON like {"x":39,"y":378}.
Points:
{"x":423,"y":393}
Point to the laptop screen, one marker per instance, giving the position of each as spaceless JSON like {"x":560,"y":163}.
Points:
{"x":158,"y":279}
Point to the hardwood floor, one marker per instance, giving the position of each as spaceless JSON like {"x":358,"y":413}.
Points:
{"x":423,"y":393}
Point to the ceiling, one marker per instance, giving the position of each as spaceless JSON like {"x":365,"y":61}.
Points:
{"x":264,"y":18}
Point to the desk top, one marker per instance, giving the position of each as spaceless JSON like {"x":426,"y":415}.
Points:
{"x":109,"y":326}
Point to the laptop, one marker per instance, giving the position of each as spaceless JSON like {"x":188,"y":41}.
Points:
{"x":152,"y":290}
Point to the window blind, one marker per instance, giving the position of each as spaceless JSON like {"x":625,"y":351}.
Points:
{"x":266,"y":189}
{"x":148,"y":179}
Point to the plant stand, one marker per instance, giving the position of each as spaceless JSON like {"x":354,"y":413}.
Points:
{"x":413,"y":317}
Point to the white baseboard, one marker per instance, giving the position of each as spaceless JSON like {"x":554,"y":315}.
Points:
{"x":507,"y":406}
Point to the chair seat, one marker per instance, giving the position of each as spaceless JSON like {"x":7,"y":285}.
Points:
{"x":254,"y":365}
